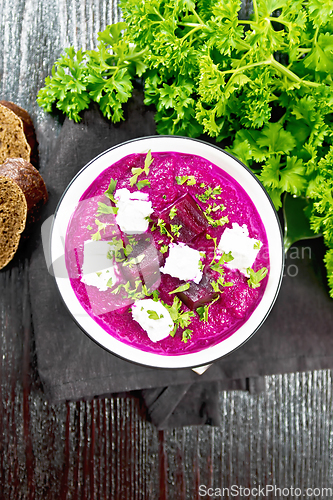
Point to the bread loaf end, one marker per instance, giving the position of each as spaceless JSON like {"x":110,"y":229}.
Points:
{"x":13,"y":143}
{"x":13,"y":216}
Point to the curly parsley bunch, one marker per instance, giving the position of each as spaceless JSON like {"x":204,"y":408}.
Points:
{"x":322,"y":214}
{"x":104,"y":75}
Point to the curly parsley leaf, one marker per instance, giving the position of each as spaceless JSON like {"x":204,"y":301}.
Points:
{"x":67,"y":87}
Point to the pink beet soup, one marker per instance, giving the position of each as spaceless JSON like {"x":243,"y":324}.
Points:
{"x":193,"y":185}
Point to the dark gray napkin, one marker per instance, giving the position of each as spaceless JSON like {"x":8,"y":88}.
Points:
{"x":297,"y":336}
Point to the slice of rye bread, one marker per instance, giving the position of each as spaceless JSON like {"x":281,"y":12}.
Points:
{"x":13,"y":143}
{"x":30,"y":181}
{"x":13,"y":216}
{"x":28,"y":129}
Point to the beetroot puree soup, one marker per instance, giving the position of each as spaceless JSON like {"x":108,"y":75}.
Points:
{"x":192,"y":204}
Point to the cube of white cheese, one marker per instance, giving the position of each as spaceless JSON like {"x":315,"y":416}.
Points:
{"x":183,"y":262}
{"x":133,"y":210}
{"x":154,"y":318}
{"x":97,"y":268}
{"x":243,"y":248}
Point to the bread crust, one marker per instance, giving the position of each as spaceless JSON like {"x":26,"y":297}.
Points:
{"x":13,"y":216}
{"x":28,"y":129}
{"x":31,"y":183}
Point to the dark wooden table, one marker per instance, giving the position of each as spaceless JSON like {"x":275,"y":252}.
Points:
{"x":105,"y":448}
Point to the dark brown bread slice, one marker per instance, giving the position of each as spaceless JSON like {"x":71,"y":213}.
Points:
{"x":28,"y":129}
{"x":13,"y":143}
{"x":30,"y":181}
{"x":13,"y":216}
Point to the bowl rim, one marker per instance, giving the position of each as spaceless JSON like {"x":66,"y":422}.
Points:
{"x":179,"y":360}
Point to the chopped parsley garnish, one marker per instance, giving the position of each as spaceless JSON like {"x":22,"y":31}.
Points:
{"x":256,"y":277}
{"x":101,"y":225}
{"x":180,"y":318}
{"x":128,"y":249}
{"x":257,"y":245}
{"x":136,"y":171}
{"x":212,"y":209}
{"x":220,"y":282}
{"x":203,"y":310}
{"x":155,"y":294}
{"x":209,"y":237}
{"x":173,"y":213}
{"x":218,"y":265}
{"x":153,"y":315}
{"x":89,"y":227}
{"x":143,"y":183}
{"x":187,"y":334}
{"x":181,"y":179}
{"x":164,"y":248}
{"x":117,"y":250}
{"x":163,"y":230}
{"x":216,"y":222}
{"x":111,"y":189}
{"x":162,"y":227}
{"x":106,"y":209}
{"x":175,"y":229}
{"x":133,"y":241}
{"x":181,"y":288}
{"x":134,"y":261}
{"x":189,"y":179}
{"x":215,"y":284}
{"x":209,"y":193}
{"x":135,"y":293}
{"x":203,"y":313}
{"x":115,"y":242}
{"x":227,"y":257}
{"x":109,"y":283}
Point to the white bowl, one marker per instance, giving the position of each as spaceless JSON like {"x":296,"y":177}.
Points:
{"x":236,"y":170}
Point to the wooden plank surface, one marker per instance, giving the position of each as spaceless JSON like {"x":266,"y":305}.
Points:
{"x":105,"y":449}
